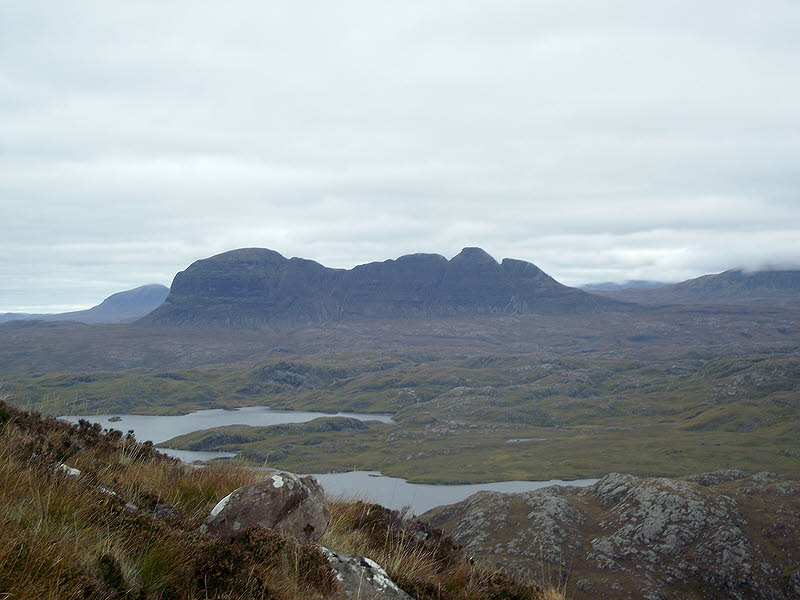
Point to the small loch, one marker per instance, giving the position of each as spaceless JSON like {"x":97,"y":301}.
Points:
{"x":398,"y":494}
{"x":160,"y":428}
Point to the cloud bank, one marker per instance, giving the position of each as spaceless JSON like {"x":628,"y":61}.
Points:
{"x":612,"y":141}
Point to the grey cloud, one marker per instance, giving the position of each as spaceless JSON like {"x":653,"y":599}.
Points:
{"x":599,"y":140}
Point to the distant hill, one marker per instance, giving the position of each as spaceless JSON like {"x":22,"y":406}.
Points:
{"x":733,"y":287}
{"x":630,"y":284}
{"x":252,"y":287}
{"x":122,"y":307}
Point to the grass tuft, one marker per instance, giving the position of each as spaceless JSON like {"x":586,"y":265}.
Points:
{"x":420,"y":559}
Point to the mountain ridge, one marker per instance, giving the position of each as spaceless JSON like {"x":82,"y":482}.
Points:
{"x":255,"y":287}
{"x":773,"y":287}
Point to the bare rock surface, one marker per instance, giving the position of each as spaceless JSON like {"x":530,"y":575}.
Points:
{"x":294,"y":506}
{"x":362,"y":578}
{"x":717,"y":535}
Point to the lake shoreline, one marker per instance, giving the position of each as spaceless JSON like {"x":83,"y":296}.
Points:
{"x":161,"y":428}
{"x":400,"y":494}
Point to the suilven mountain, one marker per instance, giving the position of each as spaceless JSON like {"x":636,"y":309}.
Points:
{"x":255,"y":287}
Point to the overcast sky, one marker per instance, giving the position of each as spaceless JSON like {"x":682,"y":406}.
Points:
{"x":599,"y":140}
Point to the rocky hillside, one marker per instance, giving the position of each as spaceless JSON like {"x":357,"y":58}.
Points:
{"x":252,"y":287}
{"x":121,"y":307}
{"x":96,"y":515}
{"x":733,"y":287}
{"x":717,"y":535}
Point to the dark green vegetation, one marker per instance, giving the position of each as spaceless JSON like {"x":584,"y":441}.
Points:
{"x":490,"y":417}
{"x":67,"y":537}
{"x":507,"y":417}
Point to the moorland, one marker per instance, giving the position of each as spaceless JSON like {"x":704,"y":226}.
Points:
{"x":483,"y":387}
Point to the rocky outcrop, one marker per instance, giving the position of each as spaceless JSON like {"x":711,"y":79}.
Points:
{"x":362,"y":578}
{"x":716,"y":535}
{"x":254,"y":287}
{"x":294,"y":506}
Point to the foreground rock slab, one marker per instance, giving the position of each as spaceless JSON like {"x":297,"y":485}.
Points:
{"x":292,"y":505}
{"x":718,"y":535}
{"x":362,"y":578}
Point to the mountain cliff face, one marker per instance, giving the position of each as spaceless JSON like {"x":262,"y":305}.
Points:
{"x":734,"y":287}
{"x":253,"y":287}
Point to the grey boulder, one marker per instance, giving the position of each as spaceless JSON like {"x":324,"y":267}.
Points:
{"x":285,"y":502}
{"x":362,"y":578}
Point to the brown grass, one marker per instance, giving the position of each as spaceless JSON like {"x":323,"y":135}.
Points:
{"x":64,"y":537}
{"x":420,"y":559}
{"x":69,"y":537}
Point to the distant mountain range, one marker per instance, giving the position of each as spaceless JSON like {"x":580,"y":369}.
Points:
{"x":733,"y":287}
{"x":121,"y":307}
{"x":253,"y":287}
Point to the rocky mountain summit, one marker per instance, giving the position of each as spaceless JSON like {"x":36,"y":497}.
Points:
{"x":717,"y":535}
{"x":253,"y":287}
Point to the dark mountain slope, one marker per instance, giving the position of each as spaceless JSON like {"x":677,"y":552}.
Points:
{"x":252,"y":287}
{"x":608,"y":286}
{"x":121,"y":307}
{"x":733,"y":287}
